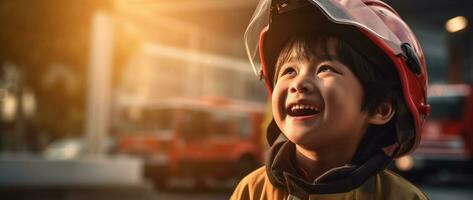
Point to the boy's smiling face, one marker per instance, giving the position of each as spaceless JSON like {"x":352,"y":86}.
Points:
{"x":317,"y":101}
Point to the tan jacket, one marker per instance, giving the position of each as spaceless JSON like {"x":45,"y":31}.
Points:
{"x":385,"y":185}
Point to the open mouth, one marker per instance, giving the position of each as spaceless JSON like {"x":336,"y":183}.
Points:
{"x":300,"y":110}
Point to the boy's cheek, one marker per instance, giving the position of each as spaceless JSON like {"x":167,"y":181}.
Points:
{"x":274,"y":106}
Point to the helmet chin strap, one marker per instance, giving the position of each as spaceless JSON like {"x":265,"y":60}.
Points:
{"x":339,"y":180}
{"x":391,"y":150}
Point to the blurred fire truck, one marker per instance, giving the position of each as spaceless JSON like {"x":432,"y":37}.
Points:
{"x":192,"y":138}
{"x":447,"y":137}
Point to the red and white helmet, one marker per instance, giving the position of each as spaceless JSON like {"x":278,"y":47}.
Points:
{"x":368,"y":23}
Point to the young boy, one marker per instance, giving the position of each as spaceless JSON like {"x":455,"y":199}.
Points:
{"x":347,"y":80}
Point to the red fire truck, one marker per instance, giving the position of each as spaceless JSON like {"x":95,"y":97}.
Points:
{"x":192,"y":138}
{"x":447,"y":137}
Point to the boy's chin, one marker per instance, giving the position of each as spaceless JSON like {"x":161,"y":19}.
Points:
{"x":305,"y":137}
{"x":299,"y":137}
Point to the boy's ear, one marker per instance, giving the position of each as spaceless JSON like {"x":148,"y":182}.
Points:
{"x":383,"y":113}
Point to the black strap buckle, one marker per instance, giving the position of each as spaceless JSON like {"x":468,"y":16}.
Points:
{"x":411,"y":59}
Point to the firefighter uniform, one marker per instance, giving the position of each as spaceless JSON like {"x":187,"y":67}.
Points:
{"x":279,"y":179}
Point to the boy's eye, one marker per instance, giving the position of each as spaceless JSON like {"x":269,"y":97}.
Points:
{"x":325,"y":68}
{"x":288,"y":71}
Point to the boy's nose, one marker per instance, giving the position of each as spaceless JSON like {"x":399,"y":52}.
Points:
{"x":301,"y":85}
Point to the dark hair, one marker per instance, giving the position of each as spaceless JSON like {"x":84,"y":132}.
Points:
{"x":379,"y":80}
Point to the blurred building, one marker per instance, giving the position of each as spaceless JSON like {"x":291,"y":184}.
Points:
{"x":158,"y":49}
{"x":186,"y":48}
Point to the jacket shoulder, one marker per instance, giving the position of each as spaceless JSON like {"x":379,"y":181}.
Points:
{"x":256,"y":185}
{"x":394,"y":186}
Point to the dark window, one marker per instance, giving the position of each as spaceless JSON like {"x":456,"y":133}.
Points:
{"x":195,"y":125}
{"x":221,"y":124}
{"x":243,"y":126}
{"x":447,"y":108}
{"x":141,"y":120}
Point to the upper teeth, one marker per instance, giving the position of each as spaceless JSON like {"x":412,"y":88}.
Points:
{"x":295,"y":107}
